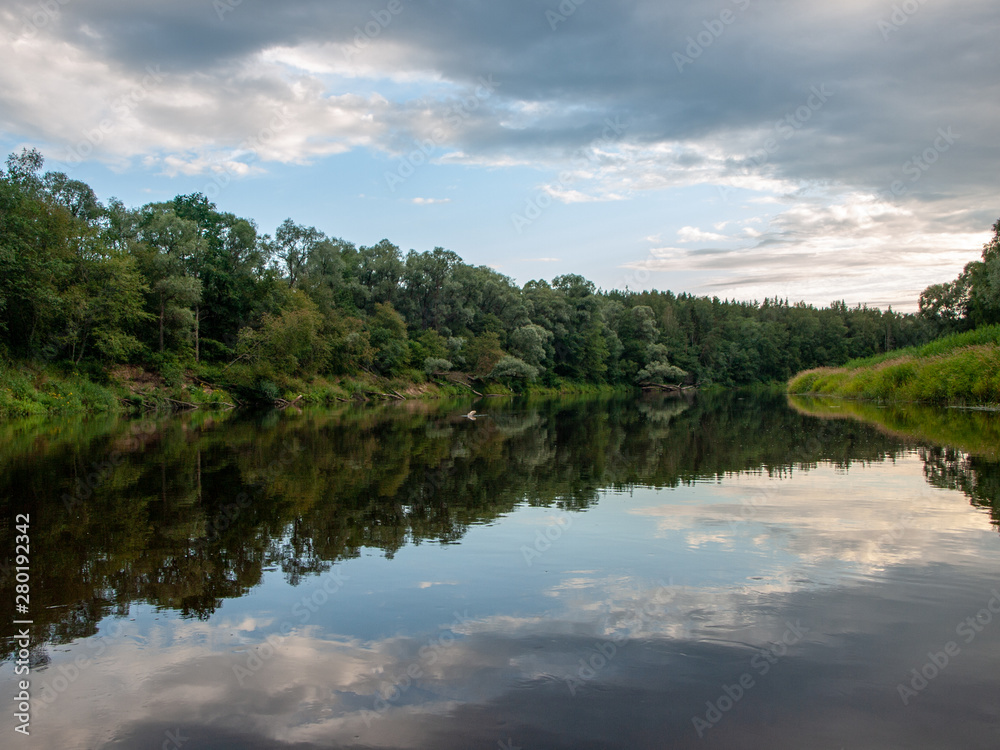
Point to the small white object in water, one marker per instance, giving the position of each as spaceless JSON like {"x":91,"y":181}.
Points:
{"x":471,"y":415}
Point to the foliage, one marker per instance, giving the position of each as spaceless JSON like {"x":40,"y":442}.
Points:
{"x":971,"y":300}
{"x":660,"y":372}
{"x":103,"y":285}
{"x":290,"y":342}
{"x":509,"y":369}
{"x":435,"y":364}
{"x":30,"y":391}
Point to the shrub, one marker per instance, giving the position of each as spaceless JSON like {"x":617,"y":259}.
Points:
{"x":434,"y":364}
{"x":511,"y":368}
{"x":660,"y":372}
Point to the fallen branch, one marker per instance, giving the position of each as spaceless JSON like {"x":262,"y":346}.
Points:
{"x":469,"y":387}
{"x":384,"y":395}
{"x":662,"y":387}
{"x":185,"y":404}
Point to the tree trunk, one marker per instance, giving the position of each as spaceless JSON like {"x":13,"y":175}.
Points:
{"x":197,"y":327}
{"x":163,"y":312}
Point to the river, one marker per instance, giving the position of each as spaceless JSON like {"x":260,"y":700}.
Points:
{"x":723,"y":571}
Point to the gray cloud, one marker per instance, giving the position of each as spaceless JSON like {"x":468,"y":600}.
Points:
{"x":890,"y":95}
{"x":705,"y":101}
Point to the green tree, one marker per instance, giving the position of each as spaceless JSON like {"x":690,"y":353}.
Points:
{"x":510,"y":369}
{"x":103,"y":308}
{"x":532,"y":344}
{"x":387,"y":334}
{"x":37,"y":257}
{"x":292,"y":246}
{"x":291,"y":342}
{"x":971,"y":300}
{"x":377,"y":271}
{"x":170,"y":245}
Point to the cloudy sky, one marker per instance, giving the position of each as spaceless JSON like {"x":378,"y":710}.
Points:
{"x":739,"y":148}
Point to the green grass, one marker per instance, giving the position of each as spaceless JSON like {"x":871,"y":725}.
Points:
{"x":564,"y":386}
{"x":963,"y":368}
{"x":27,"y":391}
{"x":978,"y":337}
{"x":30,"y":389}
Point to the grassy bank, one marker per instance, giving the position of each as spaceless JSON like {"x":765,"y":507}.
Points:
{"x":39,"y":390}
{"x":33,"y":389}
{"x":963,"y":368}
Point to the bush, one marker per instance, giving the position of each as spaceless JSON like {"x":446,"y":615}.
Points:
{"x":434,"y":364}
{"x":657,"y":372}
{"x":511,"y":368}
{"x":268,"y":391}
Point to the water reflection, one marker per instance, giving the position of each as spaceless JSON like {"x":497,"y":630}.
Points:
{"x":405,"y":577}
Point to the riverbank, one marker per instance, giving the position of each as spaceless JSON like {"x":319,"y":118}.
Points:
{"x":32,"y":389}
{"x":961,"y":369}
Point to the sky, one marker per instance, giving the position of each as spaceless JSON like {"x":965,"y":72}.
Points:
{"x":738,"y":148}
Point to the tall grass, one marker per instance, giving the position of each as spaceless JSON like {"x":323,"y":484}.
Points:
{"x":36,"y":391}
{"x":962,"y":368}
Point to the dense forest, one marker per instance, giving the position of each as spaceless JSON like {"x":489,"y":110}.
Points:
{"x":180,"y":287}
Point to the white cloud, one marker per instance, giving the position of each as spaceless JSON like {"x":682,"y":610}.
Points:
{"x":829,"y":247}
{"x":693,"y":234}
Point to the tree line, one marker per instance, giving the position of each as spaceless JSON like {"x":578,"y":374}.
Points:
{"x":181,"y":285}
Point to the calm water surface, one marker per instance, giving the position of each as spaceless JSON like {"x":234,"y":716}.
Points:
{"x":723,"y":572}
